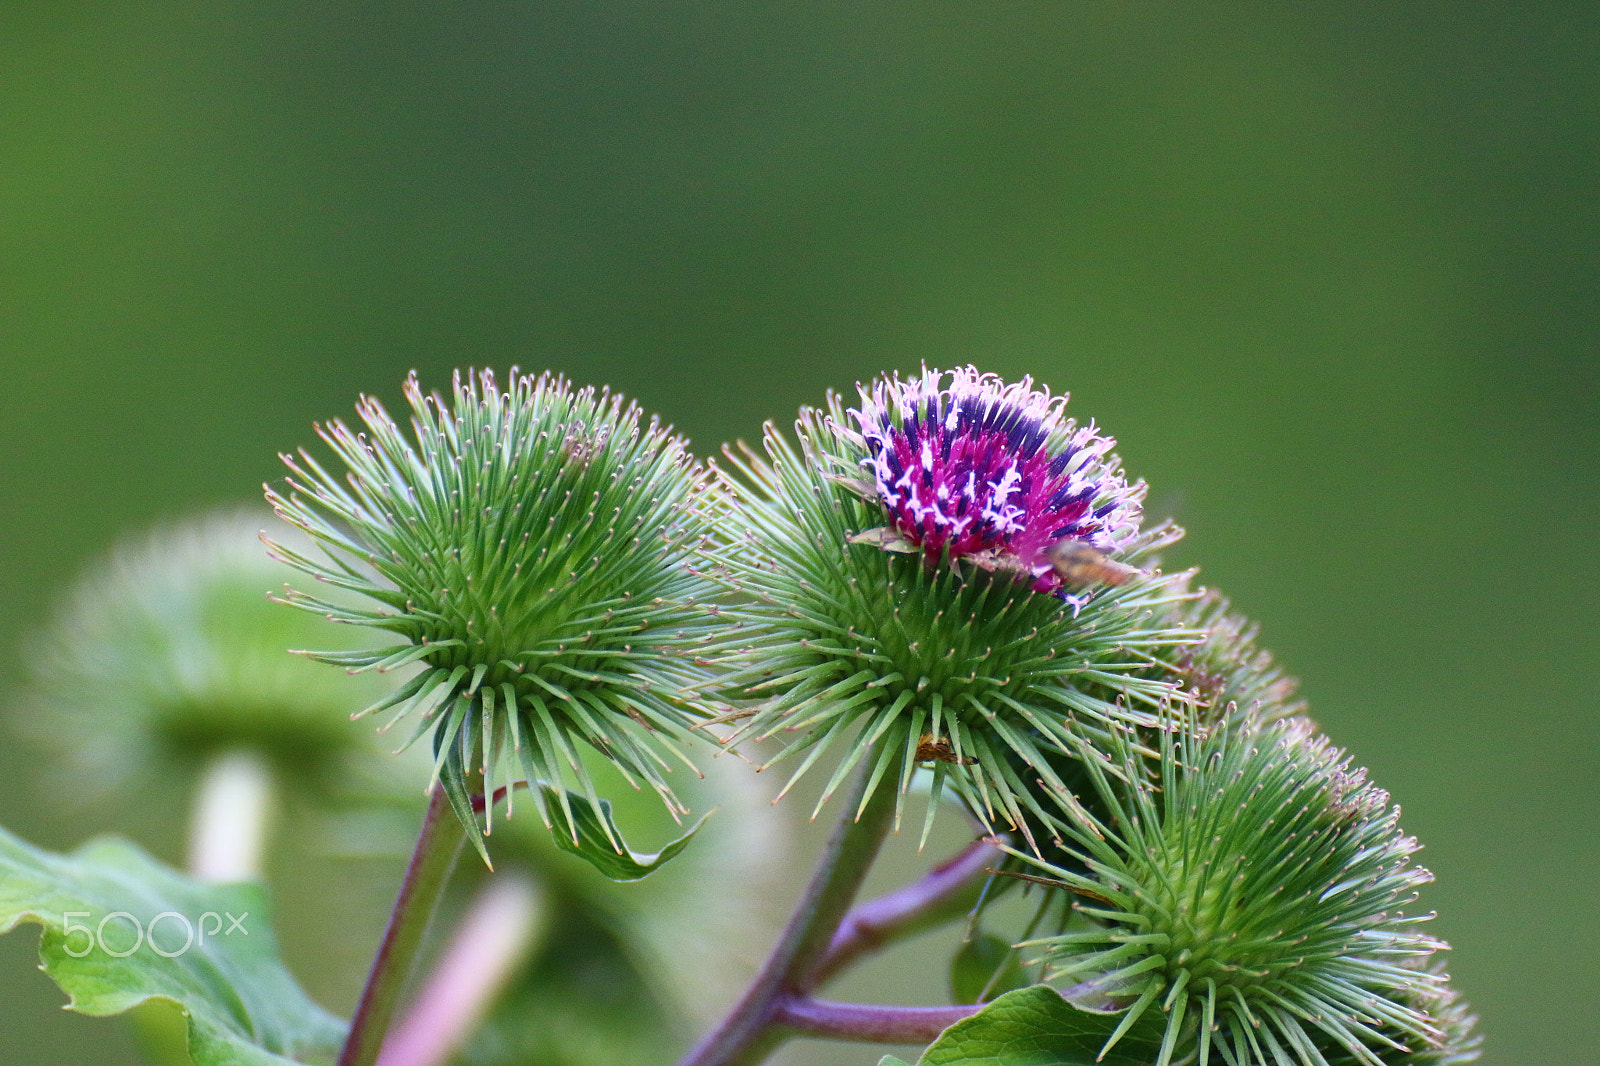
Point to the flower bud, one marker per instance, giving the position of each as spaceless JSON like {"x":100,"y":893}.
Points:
{"x":1253,"y":896}
{"x":526,"y":546}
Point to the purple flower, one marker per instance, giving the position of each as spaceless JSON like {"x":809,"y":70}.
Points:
{"x":972,"y":468}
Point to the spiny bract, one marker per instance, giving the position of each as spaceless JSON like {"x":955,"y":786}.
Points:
{"x":528,"y":545}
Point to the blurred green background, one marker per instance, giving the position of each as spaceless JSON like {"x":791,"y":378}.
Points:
{"x":1330,"y":273}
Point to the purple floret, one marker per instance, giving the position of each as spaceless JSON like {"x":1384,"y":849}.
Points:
{"x":977,"y":469}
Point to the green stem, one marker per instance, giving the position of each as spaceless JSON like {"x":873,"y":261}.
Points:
{"x":438,"y":844}
{"x":754,"y":1028}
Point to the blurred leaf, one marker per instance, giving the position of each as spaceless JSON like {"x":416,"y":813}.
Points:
{"x":597,"y":840}
{"x":986,"y":967}
{"x":213,"y":952}
{"x":890,"y":1060}
{"x":1036,"y":1027}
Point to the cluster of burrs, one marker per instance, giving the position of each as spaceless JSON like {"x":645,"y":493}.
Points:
{"x":948,"y":583}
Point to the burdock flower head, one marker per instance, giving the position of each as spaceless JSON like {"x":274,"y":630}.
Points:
{"x":947,"y":575}
{"x":526,"y":545}
{"x":1251,"y":898}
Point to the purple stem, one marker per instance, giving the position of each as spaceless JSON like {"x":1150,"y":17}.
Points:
{"x":748,"y":1034}
{"x":825,"y":935}
{"x":868,"y":1023}
{"x":438,"y":844}
{"x":927,"y":901}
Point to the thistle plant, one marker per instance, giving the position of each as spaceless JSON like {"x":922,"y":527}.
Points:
{"x":527,"y":546}
{"x":903,"y":601}
{"x":950,"y":582}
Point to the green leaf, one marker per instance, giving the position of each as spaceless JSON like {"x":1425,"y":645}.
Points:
{"x":1036,"y":1027}
{"x":597,"y":840}
{"x":213,"y":952}
{"x":986,"y":967}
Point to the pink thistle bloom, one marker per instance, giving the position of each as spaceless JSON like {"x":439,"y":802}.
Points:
{"x":972,"y":468}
